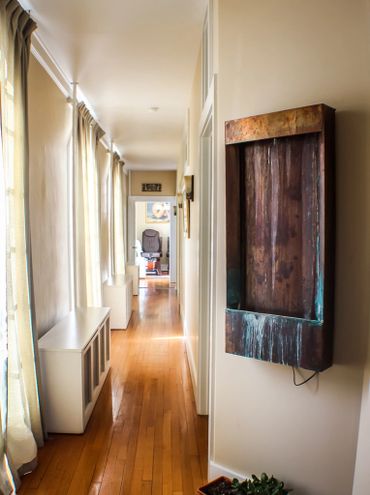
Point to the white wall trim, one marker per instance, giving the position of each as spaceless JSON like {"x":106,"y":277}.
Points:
{"x":214,"y":270}
{"x":207,"y":249}
{"x":216,"y":470}
{"x":191,"y":361}
{"x":207,"y":52}
{"x":208,"y":106}
{"x":189,"y":353}
{"x":206,"y":261}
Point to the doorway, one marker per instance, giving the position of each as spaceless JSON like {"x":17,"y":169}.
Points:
{"x":152,"y":227}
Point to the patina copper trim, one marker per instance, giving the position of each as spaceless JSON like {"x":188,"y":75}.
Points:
{"x":291,"y":122}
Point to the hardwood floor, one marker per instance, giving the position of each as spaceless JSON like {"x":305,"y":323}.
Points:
{"x":153,"y":281}
{"x":144,"y":436}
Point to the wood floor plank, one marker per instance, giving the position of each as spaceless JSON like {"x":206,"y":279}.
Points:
{"x":144,"y":436}
{"x":94,"y":489}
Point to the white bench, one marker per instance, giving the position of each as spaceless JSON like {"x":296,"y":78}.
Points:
{"x":117,"y":295}
{"x":74,"y":359}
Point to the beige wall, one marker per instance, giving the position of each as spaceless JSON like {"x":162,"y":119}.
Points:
{"x":272,"y":56}
{"x":166,"y":178}
{"x":189,"y":258}
{"x":104,"y":161}
{"x":50,"y":124}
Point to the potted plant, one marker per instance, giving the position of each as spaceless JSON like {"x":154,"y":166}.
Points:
{"x":265,"y":485}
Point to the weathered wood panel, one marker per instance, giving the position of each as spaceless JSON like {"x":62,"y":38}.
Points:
{"x":235,"y":242}
{"x":280,"y":237}
{"x":281,"y":195}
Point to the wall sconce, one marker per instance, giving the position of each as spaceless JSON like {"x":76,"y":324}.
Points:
{"x":189,"y":187}
{"x":180,"y":199}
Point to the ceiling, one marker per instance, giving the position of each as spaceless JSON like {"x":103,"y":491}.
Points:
{"x":128,"y":56}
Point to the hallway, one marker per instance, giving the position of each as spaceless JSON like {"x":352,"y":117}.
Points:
{"x":144,"y":436}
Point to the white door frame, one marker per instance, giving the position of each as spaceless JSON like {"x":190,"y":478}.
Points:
{"x":207,"y":248}
{"x":132,"y":200}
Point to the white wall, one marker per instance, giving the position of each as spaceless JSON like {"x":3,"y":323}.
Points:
{"x":189,"y":248}
{"x":273,"y":56}
{"x":362,"y":471}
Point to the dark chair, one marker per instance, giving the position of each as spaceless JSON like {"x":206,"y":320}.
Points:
{"x":151,"y":250}
{"x":151,"y":245}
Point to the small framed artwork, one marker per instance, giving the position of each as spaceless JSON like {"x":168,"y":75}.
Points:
{"x":157,"y":212}
{"x":151,"y":187}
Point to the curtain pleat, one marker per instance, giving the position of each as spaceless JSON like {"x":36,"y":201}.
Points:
{"x":87,"y":207}
{"x":125,"y":213}
{"x":119,"y":261}
{"x":20,"y":405}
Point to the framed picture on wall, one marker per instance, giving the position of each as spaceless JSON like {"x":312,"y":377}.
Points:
{"x":157,"y":212}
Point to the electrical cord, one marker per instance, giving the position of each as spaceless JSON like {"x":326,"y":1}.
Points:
{"x":304,"y":381}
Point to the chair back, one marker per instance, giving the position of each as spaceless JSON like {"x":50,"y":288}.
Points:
{"x":151,"y":241}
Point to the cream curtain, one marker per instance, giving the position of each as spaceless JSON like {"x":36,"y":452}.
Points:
{"x":19,"y":399}
{"x":125,"y":214}
{"x":87,"y":207}
{"x":118,"y":216}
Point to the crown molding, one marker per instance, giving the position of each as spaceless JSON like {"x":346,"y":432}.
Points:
{"x":46,"y":60}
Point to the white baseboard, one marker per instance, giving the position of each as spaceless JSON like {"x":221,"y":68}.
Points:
{"x":216,"y":470}
{"x":191,"y":362}
{"x":190,"y":356}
